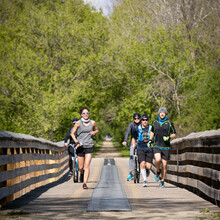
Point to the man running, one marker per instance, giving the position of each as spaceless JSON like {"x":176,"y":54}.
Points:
{"x":130,"y":129}
{"x":162,"y":130}
{"x":70,"y":149}
{"x":144,"y":150}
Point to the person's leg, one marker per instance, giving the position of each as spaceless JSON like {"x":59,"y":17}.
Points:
{"x":148,"y":165}
{"x":157,"y":158}
{"x":142,"y":164}
{"x":80,"y":163}
{"x":131,"y":163}
{"x":143,"y":170}
{"x":88,"y":158}
{"x":164,"y":170}
{"x":70,"y":163}
{"x":165,"y":154}
{"x":149,"y":161}
{"x":70,"y":166}
{"x":81,"y":157}
{"x":143,"y":173}
{"x":141,"y":160}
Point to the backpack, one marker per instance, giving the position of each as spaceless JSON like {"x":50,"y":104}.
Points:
{"x":143,"y":136}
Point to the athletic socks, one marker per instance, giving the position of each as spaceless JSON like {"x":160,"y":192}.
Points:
{"x":143,"y":173}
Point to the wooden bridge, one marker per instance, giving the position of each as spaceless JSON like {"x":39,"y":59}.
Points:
{"x":34,"y":182}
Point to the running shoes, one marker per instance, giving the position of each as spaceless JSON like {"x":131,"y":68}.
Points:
{"x":130,"y":177}
{"x":85,"y":186}
{"x":157,"y":177}
{"x":145,"y":183}
{"x":162,"y":184}
{"x":70,"y":174}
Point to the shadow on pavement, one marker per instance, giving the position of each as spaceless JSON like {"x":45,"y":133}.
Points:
{"x":34,"y":194}
{"x":75,"y":208}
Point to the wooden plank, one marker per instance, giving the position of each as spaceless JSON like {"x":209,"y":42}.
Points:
{"x":24,"y":164}
{"x":17,"y":180}
{"x":200,"y":171}
{"x":9,"y":182}
{"x":199,"y":136}
{"x":197,"y":142}
{"x":207,"y":190}
{"x":13,"y":189}
{"x":10,"y":159}
{"x":203,"y":157}
{"x":11,"y":139}
{"x":27,"y":175}
{"x":31,"y":171}
{"x":22,"y":177}
{"x":7,"y":175}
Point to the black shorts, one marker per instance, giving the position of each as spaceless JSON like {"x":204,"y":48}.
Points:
{"x":165,"y":154}
{"x":145,"y":155}
{"x":81,"y":151}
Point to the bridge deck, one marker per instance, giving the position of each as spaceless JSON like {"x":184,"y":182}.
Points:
{"x":67,"y":200}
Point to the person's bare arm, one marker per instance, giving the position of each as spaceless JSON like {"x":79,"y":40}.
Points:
{"x":151,"y":135}
{"x":95,"y":129}
{"x":74,"y":131}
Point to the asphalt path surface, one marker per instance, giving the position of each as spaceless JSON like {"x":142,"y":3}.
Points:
{"x":67,"y":200}
{"x":109,"y":194}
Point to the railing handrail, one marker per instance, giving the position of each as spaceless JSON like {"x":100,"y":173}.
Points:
{"x":190,"y":166}
{"x":11,"y":136}
{"x":195,"y":164}
{"x":197,"y":135}
{"x":27,"y":162}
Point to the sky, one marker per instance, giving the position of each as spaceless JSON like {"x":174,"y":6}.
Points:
{"x":105,"y":5}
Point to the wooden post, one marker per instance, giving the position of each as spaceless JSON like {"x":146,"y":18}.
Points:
{"x":11,"y":181}
{"x":27,"y":176}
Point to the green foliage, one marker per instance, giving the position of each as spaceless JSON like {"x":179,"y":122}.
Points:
{"x":47,"y":50}
{"x":58,"y":56}
{"x":202,"y":109}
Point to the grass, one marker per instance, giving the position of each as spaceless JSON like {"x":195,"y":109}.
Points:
{"x":13,"y":214}
{"x":206,"y":210}
{"x":210,"y":216}
{"x":97,"y":146}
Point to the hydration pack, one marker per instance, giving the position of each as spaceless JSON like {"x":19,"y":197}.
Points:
{"x":143,"y":135}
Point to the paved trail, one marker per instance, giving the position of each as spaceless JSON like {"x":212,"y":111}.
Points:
{"x":107,"y":151}
{"x":67,"y":200}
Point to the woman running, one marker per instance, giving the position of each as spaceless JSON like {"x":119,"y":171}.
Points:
{"x":82,"y":134}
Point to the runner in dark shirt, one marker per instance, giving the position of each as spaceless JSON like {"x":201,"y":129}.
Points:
{"x":70,"y":148}
{"x":130,"y":129}
{"x":162,"y":130}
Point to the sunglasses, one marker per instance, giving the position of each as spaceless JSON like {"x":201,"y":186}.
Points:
{"x":144,"y":120}
{"x":85,"y":113}
{"x":136,"y":118}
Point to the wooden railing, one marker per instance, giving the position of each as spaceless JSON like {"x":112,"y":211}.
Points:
{"x":195,"y":164}
{"x":27,"y":162}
